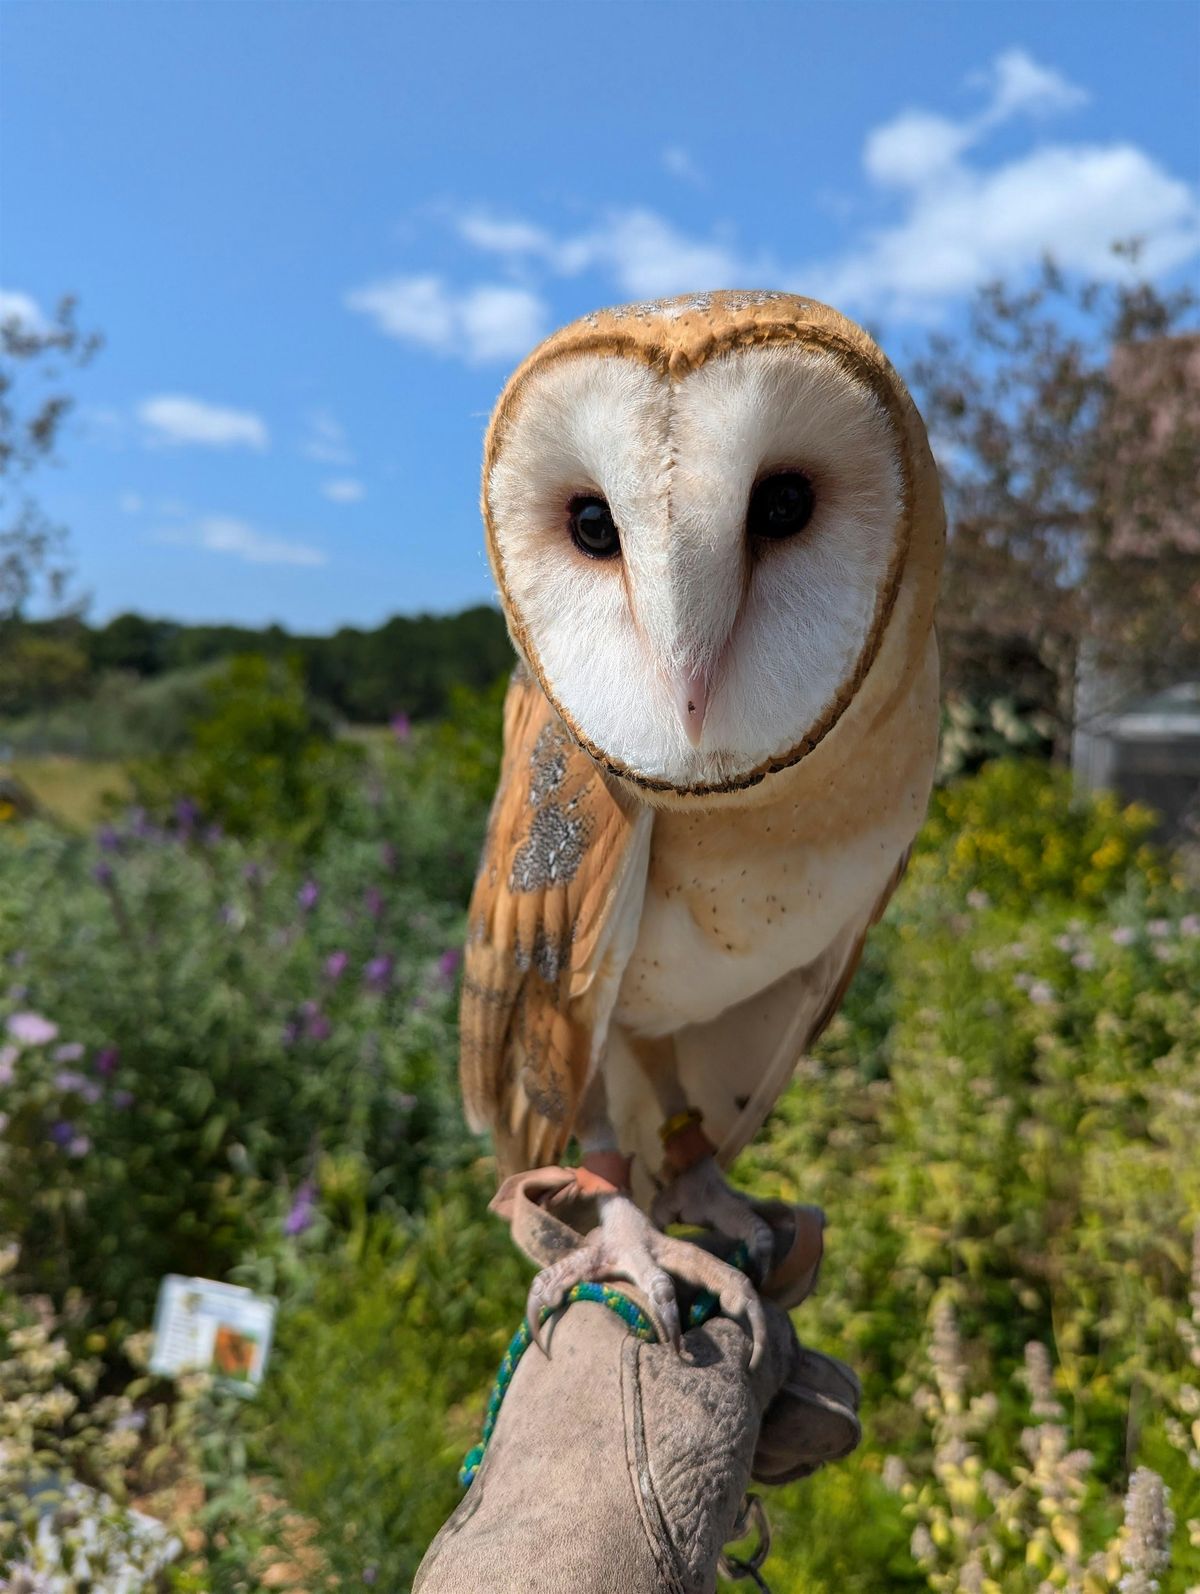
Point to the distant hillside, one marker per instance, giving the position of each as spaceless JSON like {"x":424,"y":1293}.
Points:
{"x":408,"y":664}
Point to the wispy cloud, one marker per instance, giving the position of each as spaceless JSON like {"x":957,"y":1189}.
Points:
{"x":345,"y":490}
{"x":226,"y":534}
{"x":490,"y":321}
{"x":326,"y":441}
{"x":177,"y":418}
{"x":962,"y":221}
{"x":677,"y":162}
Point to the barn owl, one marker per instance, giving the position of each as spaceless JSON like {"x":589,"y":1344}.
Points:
{"x":716,"y":530}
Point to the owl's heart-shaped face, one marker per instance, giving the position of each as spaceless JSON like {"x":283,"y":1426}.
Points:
{"x":697,"y":552}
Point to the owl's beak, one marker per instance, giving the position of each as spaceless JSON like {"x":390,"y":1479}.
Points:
{"x":691,"y":703}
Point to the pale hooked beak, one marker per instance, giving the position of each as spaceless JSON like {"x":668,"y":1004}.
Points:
{"x":691,"y":703}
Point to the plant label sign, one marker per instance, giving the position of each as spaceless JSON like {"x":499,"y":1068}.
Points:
{"x":203,"y":1326}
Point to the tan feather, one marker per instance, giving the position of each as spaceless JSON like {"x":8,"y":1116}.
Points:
{"x":539,"y":974}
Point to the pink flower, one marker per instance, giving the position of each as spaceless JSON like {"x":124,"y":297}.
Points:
{"x":335,"y":965}
{"x":1123,"y":936}
{"x":1084,"y":960}
{"x":31,"y":1029}
{"x":448,"y":965}
{"x":1158,"y":928}
{"x":70,"y":1053}
{"x":1190,"y":924}
{"x":107,"y":1060}
{"x":401,"y":727}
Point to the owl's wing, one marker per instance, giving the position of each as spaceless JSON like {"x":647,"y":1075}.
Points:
{"x":735,"y":1067}
{"x":552,"y":923}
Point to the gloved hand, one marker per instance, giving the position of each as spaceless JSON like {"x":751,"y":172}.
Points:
{"x":619,"y":1467}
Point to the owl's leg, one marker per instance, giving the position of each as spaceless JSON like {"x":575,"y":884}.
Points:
{"x":626,"y":1245}
{"x":696,"y":1190}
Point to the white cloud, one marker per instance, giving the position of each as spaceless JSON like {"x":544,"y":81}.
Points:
{"x":21,"y":308}
{"x":965,"y":223}
{"x":496,"y":235}
{"x":345,"y":490}
{"x":326,"y":441}
{"x":490,"y":321}
{"x":226,"y":534}
{"x":679,"y":163}
{"x":176,"y":418}
{"x":1019,"y":83}
{"x":641,"y":251}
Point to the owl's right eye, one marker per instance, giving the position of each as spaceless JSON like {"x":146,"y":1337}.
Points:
{"x":593,"y":530}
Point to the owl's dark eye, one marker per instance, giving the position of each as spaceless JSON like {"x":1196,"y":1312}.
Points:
{"x":780,"y":506}
{"x":593,"y":530}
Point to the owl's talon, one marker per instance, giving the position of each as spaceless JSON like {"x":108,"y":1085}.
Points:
{"x":702,"y":1196}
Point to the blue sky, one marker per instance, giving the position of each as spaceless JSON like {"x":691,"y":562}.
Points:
{"x":317,"y":235}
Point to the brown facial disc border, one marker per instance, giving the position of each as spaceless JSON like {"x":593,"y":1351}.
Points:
{"x":881,"y":381}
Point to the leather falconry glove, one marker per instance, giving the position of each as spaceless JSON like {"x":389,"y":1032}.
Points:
{"x":618,"y":1466}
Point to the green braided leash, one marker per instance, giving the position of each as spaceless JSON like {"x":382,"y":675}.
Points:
{"x":705,"y":1306}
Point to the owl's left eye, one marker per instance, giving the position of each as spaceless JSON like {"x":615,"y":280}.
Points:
{"x":593,"y":530}
{"x":780,"y":506}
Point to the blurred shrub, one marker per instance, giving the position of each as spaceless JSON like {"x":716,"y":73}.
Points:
{"x":187,"y":1027}
{"x":259,"y":759}
{"x":978,"y":729}
{"x":122,"y":717}
{"x":1019,"y":832}
{"x":387,"y":1347}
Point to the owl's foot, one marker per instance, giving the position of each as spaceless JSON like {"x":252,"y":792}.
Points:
{"x":702,"y":1196}
{"x":626,"y":1245}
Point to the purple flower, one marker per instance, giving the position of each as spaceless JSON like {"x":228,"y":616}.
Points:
{"x":214,"y":834}
{"x":252,"y":874}
{"x":62,"y":1133}
{"x":316,"y":1026}
{"x":448,"y":964}
{"x":107,"y":1060}
{"x":103,"y":875}
{"x":291,"y":1032}
{"x":370,"y":1574}
{"x":69,"y":1052}
{"x":31,"y":1029}
{"x":373,"y":901}
{"x":107,"y":839}
{"x":187,"y":815}
{"x":1190,"y":924}
{"x":378,"y":972}
{"x":302,"y":1210}
{"x":401,"y":726}
{"x":1123,"y":936}
{"x":122,"y":1099}
{"x":1158,"y":928}
{"x":308,"y":895}
{"x":79,"y":1146}
{"x":335,"y":965}
{"x":1084,"y":960}
{"x":390,"y":857}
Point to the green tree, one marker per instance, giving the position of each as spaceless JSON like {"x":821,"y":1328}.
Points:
{"x":1068,"y":432}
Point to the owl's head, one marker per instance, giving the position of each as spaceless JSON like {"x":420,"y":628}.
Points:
{"x":699,"y":513}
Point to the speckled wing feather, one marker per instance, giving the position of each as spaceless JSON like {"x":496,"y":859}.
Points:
{"x":552,"y":922}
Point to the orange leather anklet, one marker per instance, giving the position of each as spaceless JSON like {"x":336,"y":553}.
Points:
{"x":684,"y":1147}
{"x":604,"y":1173}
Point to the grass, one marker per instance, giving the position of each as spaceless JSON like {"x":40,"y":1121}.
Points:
{"x":75,"y":791}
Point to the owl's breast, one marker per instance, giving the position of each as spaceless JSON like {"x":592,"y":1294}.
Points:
{"x":737,"y":898}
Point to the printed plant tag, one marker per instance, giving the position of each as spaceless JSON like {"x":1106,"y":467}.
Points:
{"x":203,"y":1326}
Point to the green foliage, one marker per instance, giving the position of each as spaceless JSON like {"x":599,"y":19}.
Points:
{"x":1017,"y":833}
{"x":386,"y":1355}
{"x":410,"y":664}
{"x":258,"y":760}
